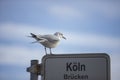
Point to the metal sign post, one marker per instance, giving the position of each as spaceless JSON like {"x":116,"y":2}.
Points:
{"x":34,"y":69}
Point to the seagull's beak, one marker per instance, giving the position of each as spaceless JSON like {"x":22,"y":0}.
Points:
{"x":64,"y":37}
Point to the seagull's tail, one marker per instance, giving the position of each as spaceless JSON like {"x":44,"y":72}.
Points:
{"x":33,"y":35}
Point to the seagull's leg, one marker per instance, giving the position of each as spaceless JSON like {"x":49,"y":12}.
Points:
{"x":50,"y":51}
{"x":45,"y":51}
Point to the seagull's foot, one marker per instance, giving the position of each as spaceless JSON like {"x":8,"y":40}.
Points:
{"x":50,"y":51}
{"x":45,"y":51}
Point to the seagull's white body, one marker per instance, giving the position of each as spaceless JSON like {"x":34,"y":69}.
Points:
{"x":49,"y":41}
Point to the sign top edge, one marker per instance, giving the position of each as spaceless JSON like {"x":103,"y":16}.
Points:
{"x":81,"y":55}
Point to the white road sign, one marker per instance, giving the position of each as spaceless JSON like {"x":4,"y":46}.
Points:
{"x":76,"y":67}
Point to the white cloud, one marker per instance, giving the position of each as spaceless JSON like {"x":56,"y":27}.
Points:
{"x":87,"y":39}
{"x":65,"y":12}
{"x":19,"y":55}
{"x":115,"y":66}
{"x":108,"y":9}
{"x":84,"y":9}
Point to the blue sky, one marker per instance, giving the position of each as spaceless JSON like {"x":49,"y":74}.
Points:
{"x":89,"y":26}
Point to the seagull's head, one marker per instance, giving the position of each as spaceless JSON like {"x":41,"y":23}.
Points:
{"x":60,"y":35}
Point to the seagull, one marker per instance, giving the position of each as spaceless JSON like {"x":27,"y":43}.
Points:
{"x":48,"y":40}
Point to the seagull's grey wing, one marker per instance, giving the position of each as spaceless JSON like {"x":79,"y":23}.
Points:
{"x":50,"y":38}
{"x":39,"y":38}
